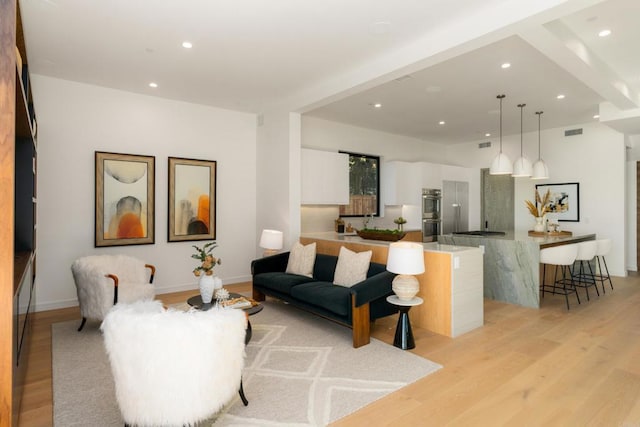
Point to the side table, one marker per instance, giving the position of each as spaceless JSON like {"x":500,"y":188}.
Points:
{"x":404,"y":335}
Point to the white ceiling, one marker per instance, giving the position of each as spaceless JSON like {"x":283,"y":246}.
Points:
{"x":334,"y":58}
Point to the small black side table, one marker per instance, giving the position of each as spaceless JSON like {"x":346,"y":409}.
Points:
{"x":404,"y":335}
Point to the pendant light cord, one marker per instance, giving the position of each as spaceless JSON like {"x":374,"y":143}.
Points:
{"x":539,"y":113}
{"x":521,"y":106}
{"x":500,"y":97}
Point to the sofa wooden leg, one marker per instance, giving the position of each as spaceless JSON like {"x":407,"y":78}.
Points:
{"x":361,"y":324}
{"x":258,"y":296}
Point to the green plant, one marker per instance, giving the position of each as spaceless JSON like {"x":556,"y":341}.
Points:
{"x":377,"y":230}
{"x":207,"y":261}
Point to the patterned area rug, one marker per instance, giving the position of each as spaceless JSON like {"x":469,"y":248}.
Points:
{"x":301,"y":370}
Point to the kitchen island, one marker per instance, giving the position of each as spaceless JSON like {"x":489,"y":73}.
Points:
{"x":451,"y":285}
{"x":512,"y":267}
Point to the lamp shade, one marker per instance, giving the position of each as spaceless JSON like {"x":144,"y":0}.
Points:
{"x":271,"y":239}
{"x":405,"y":258}
{"x":521,"y":167}
{"x":540,"y":170}
{"x":501,"y":165}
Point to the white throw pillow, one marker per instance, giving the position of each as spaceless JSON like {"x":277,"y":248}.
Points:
{"x":352,"y":267}
{"x":301,"y":259}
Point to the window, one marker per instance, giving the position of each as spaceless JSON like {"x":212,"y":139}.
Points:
{"x":364,"y":185}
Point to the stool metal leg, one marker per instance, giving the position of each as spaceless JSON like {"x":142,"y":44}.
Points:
{"x":600,"y":277}
{"x":592,"y":277}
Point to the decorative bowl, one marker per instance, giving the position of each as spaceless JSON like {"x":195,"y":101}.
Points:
{"x":386,"y":235}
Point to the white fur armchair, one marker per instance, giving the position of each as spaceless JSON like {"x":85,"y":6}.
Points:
{"x":173,"y":367}
{"x":104,"y":280}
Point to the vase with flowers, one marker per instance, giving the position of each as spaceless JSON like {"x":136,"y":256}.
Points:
{"x":539,"y":210}
{"x":208,"y":283}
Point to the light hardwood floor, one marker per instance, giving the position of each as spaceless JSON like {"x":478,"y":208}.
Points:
{"x":524,"y":367}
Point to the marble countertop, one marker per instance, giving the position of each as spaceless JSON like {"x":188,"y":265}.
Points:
{"x":523,"y":236}
{"x":428,"y":247}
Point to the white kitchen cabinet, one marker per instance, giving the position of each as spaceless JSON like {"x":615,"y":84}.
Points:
{"x":431,"y":175}
{"x":325,"y":177}
{"x":401,"y":183}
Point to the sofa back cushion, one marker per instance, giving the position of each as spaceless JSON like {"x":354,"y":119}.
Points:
{"x":375,"y":268}
{"x":325,"y":267}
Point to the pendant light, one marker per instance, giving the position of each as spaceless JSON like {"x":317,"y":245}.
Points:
{"x":540,"y":169}
{"x":501,"y":165}
{"x":522,"y":165}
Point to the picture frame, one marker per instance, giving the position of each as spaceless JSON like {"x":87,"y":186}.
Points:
{"x":564,"y":200}
{"x":124,"y":199}
{"x":192,"y":200}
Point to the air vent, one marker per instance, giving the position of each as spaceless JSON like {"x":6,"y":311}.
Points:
{"x":484,"y":144}
{"x":572,"y":132}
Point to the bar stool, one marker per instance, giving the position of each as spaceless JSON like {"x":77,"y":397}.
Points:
{"x":563,"y":256}
{"x":586,"y":252}
{"x":603,"y":248}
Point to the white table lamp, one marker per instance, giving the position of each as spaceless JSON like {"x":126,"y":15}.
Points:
{"x":405,"y":259}
{"x":271,"y":241}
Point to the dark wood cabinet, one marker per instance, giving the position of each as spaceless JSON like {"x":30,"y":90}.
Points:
{"x":18,"y":204}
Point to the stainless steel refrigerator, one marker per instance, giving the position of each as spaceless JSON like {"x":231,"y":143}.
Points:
{"x":455,"y":206}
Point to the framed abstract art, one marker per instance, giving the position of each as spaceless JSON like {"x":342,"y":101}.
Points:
{"x":564,"y":200}
{"x":124,"y":199}
{"x":192,"y":200}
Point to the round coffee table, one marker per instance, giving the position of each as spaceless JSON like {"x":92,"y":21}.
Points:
{"x":196,"y":302}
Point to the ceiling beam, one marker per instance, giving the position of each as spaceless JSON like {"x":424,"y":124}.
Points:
{"x":556,"y":41}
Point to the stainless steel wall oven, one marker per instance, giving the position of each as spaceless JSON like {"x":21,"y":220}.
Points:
{"x":431,"y":214}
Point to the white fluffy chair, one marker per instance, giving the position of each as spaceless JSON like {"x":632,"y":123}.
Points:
{"x":104,"y":280}
{"x":170,"y":367}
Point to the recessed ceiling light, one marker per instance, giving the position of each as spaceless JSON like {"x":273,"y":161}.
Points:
{"x":187,"y":45}
{"x":561,"y":96}
{"x":596,"y":116}
{"x":377,"y":105}
{"x":487,"y":134}
{"x":441,"y":122}
{"x":506,"y":65}
{"x":604,"y":33}
{"x":152,"y":84}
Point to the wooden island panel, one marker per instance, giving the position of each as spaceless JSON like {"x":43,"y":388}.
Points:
{"x":435,"y":283}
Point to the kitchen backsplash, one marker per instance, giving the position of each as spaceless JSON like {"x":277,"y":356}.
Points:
{"x":321,"y":218}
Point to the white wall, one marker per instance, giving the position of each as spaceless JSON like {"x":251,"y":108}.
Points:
{"x":278,"y":175}
{"x":633,"y":157}
{"x":631,"y":215}
{"x":75,"y":120}
{"x":595,"y":159}
{"x":324,"y":134}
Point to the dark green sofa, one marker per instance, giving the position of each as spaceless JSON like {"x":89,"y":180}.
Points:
{"x":354,"y":307}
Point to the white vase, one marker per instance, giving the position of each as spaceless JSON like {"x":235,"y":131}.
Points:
{"x":207,"y":287}
{"x":539,"y":227}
